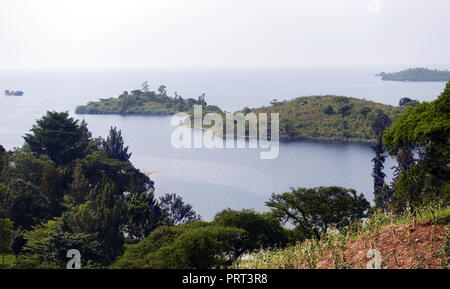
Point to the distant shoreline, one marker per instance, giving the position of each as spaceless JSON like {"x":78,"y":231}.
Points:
{"x":418,"y":74}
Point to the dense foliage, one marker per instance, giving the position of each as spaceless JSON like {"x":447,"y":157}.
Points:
{"x":66,"y":190}
{"x":417,"y":74}
{"x":313,"y":210}
{"x":420,"y":140}
{"x":333,"y":118}
{"x":144,"y":102}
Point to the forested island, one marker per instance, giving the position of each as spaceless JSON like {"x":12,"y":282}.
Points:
{"x":329,"y":117}
{"x":144,"y":102}
{"x":13,"y":93}
{"x":417,"y":74}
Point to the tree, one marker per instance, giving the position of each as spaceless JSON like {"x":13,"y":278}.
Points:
{"x":365,"y":110}
{"x":177,"y":212}
{"x":125,"y":177}
{"x":425,"y":129}
{"x":111,"y":213}
{"x":262,"y":230}
{"x":378,"y":176}
{"x":162,"y":90}
{"x":405,"y":101}
{"x":6,"y":233}
{"x":145,"y":86}
{"x":54,"y":250}
{"x":18,"y":241}
{"x":144,"y":215}
{"x":197,"y":245}
{"x":314,"y":209}
{"x":405,"y":161}
{"x":201,"y":100}
{"x":345,"y":109}
{"x":114,"y":146}
{"x":60,"y":137}
{"x":2,"y":160}
{"x":379,"y":122}
{"x":328,"y":110}
{"x":79,"y":188}
{"x":52,"y":186}
{"x":23,"y":165}
{"x":23,"y":203}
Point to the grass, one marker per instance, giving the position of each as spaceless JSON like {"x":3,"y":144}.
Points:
{"x":381,"y":230}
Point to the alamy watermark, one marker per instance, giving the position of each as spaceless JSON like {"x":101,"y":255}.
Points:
{"x":75,"y":261}
{"x":374,"y":257}
{"x":236,"y":127}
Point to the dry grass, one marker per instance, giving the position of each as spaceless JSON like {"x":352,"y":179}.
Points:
{"x":404,"y":242}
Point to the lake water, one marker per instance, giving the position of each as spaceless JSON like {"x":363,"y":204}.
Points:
{"x":213,"y":179}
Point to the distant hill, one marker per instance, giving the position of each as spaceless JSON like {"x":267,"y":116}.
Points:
{"x":328,"y":118}
{"x":142,"y":102}
{"x":417,"y":74}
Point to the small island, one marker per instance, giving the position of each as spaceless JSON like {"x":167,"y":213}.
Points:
{"x":328,"y":118}
{"x":417,"y":74}
{"x":13,"y":93}
{"x":144,"y":102}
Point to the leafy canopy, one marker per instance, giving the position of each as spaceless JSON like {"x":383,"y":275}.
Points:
{"x":60,"y":137}
{"x":313,"y":210}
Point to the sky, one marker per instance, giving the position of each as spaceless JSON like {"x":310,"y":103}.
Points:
{"x":101,"y":34}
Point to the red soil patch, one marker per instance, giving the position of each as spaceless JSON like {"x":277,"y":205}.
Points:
{"x":401,"y":247}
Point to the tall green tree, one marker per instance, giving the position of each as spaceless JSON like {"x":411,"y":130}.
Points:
{"x":111,"y":213}
{"x":60,"y":137}
{"x":262,"y":230}
{"x":114,"y":146}
{"x":126,"y":178}
{"x":425,"y":129}
{"x":79,"y":187}
{"x":145,"y":86}
{"x":379,"y":122}
{"x":2,"y":160}
{"x":6,"y":233}
{"x":52,"y":186}
{"x":22,"y":202}
{"x":144,"y":215}
{"x":59,"y":242}
{"x":18,"y":241}
{"x":162,"y":90}
{"x":176,"y":211}
{"x":313,"y":210}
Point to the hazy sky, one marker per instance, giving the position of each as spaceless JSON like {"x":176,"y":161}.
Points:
{"x":210,"y":33}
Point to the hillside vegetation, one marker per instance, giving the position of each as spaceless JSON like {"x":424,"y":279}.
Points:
{"x":404,"y":242}
{"x":417,"y":74}
{"x":143,"y":102}
{"x":328,"y":117}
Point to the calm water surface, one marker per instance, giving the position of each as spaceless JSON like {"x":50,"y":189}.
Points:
{"x":215,"y":179}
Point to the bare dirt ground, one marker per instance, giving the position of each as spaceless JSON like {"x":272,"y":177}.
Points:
{"x":401,"y":247}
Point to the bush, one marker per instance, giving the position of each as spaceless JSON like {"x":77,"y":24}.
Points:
{"x":261,"y":229}
{"x":197,"y":245}
{"x":328,"y":110}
